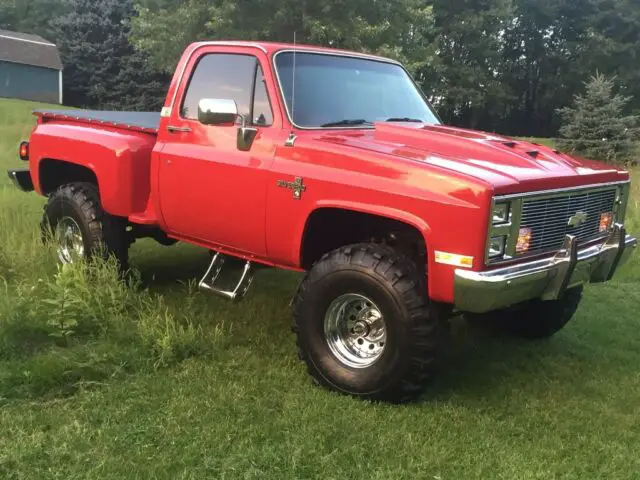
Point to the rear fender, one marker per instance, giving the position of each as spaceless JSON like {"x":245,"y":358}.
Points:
{"x":119,"y":159}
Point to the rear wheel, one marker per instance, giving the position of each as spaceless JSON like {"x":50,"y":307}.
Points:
{"x":533,"y":319}
{"x":74,"y":220}
{"x":365,"y":326}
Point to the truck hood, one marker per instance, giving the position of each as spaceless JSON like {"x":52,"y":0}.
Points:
{"x":508,"y":165}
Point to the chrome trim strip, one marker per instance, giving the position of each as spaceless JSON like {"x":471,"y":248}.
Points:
{"x":338,"y":53}
{"x":560,"y":190}
{"x":200,"y":45}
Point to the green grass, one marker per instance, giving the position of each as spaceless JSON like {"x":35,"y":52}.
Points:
{"x":549,"y":142}
{"x":158,"y":380}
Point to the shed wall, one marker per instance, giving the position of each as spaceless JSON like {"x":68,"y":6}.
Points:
{"x":29,"y":83}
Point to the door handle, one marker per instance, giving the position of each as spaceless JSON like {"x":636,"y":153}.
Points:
{"x":174,"y":129}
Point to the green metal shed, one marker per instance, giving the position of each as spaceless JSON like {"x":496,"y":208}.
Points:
{"x":30,"y":68}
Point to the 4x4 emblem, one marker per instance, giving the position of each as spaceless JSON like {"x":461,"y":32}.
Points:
{"x":578,"y":219}
{"x":297,"y":186}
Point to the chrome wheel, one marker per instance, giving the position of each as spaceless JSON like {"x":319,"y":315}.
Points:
{"x":355,"y":330}
{"x":69,"y":240}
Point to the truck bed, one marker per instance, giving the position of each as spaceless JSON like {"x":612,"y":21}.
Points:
{"x":142,"y":121}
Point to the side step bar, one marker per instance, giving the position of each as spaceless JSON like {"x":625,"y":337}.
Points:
{"x":209,"y":280}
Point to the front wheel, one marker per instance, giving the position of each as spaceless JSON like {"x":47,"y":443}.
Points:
{"x":365,"y":326}
{"x":534,"y":319}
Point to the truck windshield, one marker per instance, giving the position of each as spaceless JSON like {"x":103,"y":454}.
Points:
{"x":333,"y":91}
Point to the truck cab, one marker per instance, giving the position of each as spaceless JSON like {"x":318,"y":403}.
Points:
{"x":334,"y":164}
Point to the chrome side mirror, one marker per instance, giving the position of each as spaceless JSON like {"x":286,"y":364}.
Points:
{"x":217,"y":111}
{"x":224,"y":112}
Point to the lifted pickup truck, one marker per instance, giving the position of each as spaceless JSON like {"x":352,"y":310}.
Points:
{"x":333,"y":163}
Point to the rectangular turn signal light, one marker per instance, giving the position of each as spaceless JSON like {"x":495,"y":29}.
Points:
{"x":606,"y":220}
{"x":524,"y":240}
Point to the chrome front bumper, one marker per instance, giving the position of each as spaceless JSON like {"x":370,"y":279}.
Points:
{"x":547,"y":279}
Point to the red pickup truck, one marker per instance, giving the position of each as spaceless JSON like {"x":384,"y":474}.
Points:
{"x":334,"y":163}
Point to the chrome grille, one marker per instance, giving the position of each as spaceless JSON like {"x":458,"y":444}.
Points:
{"x":548,"y":218}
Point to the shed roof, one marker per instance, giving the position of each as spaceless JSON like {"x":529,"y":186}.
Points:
{"x":29,"y":50}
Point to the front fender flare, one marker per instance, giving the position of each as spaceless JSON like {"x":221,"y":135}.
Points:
{"x":378,"y":210}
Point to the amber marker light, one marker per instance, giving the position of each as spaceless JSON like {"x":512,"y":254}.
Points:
{"x":524,"y":240}
{"x":606,"y":220}
{"x":454,"y":259}
{"x":24,"y":151}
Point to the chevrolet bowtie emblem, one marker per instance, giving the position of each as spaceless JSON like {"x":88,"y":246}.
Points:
{"x":297,"y":186}
{"x":578,"y":219}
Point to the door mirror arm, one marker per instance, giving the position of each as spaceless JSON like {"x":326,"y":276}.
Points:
{"x":246,"y":135}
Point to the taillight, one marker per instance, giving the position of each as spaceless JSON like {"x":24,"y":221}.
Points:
{"x":24,"y":151}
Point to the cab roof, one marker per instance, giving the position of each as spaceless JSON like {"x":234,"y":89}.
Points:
{"x":270,"y":48}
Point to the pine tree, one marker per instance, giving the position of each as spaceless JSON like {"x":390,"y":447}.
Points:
{"x":596,"y":127}
{"x":102,"y":68}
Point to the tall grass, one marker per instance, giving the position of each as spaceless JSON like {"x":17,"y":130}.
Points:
{"x":65,"y":327}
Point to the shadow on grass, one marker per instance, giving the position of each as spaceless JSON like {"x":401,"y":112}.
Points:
{"x":597,"y":346}
{"x":164,"y":268}
{"x":479,"y":360}
{"x":477,"y":363}
{"x":161,"y":266}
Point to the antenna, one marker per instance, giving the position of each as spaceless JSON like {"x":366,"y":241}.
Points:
{"x":292,"y":136}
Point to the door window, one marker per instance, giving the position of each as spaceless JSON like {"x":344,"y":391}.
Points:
{"x":229,"y":76}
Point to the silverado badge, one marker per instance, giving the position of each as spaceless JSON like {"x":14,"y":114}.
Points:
{"x":578,"y":219}
{"x":297,"y":186}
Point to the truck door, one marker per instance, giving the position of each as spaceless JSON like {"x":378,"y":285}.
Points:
{"x":210,"y":190}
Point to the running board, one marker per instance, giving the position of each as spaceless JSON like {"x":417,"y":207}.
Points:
{"x":208,"y":282}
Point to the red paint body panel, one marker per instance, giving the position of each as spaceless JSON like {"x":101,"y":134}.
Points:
{"x":198,"y":187}
{"x":227,"y":191}
{"x":119,"y":158}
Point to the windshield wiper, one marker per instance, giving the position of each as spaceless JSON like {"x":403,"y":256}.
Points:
{"x":403,"y":119}
{"x":347,"y":123}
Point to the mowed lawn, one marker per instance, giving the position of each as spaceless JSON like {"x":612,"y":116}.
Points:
{"x":206,"y":389}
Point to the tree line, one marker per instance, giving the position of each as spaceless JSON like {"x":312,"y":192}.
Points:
{"x":508,"y":66}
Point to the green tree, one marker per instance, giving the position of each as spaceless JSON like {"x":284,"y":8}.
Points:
{"x":501,"y":65}
{"x":545,"y":60}
{"x":163,"y":28}
{"x":102,"y":69}
{"x":466,"y":75}
{"x":31,"y":16}
{"x":613,"y":43}
{"x":596,"y":127}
